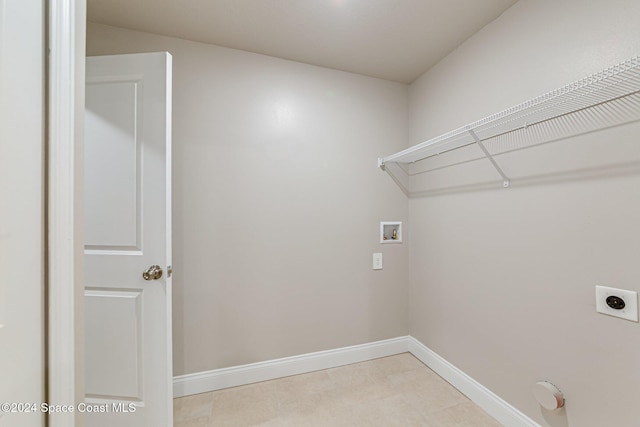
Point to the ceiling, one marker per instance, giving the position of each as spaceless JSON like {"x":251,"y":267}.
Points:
{"x":396,"y":40}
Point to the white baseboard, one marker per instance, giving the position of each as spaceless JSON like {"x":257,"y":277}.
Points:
{"x":185,"y":385}
{"x":479,"y":394}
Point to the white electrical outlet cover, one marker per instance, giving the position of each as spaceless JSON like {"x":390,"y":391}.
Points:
{"x":630,"y":298}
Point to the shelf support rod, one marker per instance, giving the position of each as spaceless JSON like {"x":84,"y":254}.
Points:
{"x":505,"y":179}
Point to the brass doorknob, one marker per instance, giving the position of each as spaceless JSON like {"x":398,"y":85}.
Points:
{"x":152,"y":273}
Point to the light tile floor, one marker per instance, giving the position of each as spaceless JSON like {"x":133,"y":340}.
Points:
{"x":391,"y":391}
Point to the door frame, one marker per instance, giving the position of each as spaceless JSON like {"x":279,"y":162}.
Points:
{"x":64,"y":164}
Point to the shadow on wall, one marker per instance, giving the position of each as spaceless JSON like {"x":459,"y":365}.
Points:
{"x":606,"y":171}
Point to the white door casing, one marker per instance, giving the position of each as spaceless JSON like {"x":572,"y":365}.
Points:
{"x":66,"y":36}
{"x":128,"y":229}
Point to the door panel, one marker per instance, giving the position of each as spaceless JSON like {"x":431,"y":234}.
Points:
{"x":114,"y":348}
{"x":127,"y":230}
{"x":113,"y":207}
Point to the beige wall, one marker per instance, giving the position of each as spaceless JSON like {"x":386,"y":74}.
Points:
{"x":277,"y":203}
{"x":502,"y":281}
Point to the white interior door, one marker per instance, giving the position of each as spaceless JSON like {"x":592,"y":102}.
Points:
{"x":128,"y":230}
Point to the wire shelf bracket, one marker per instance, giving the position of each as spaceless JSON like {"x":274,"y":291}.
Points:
{"x":505,"y":179}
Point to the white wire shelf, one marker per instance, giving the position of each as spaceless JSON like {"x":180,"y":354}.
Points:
{"x":601,"y":100}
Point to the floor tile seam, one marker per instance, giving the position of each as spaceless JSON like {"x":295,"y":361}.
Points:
{"x":470,"y":404}
{"x":404,"y":394}
{"x":180,"y":416}
{"x":407,"y":402}
{"x":211,"y":408}
{"x":425,"y":409}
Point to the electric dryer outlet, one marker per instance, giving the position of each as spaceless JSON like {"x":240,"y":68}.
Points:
{"x":617,"y":302}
